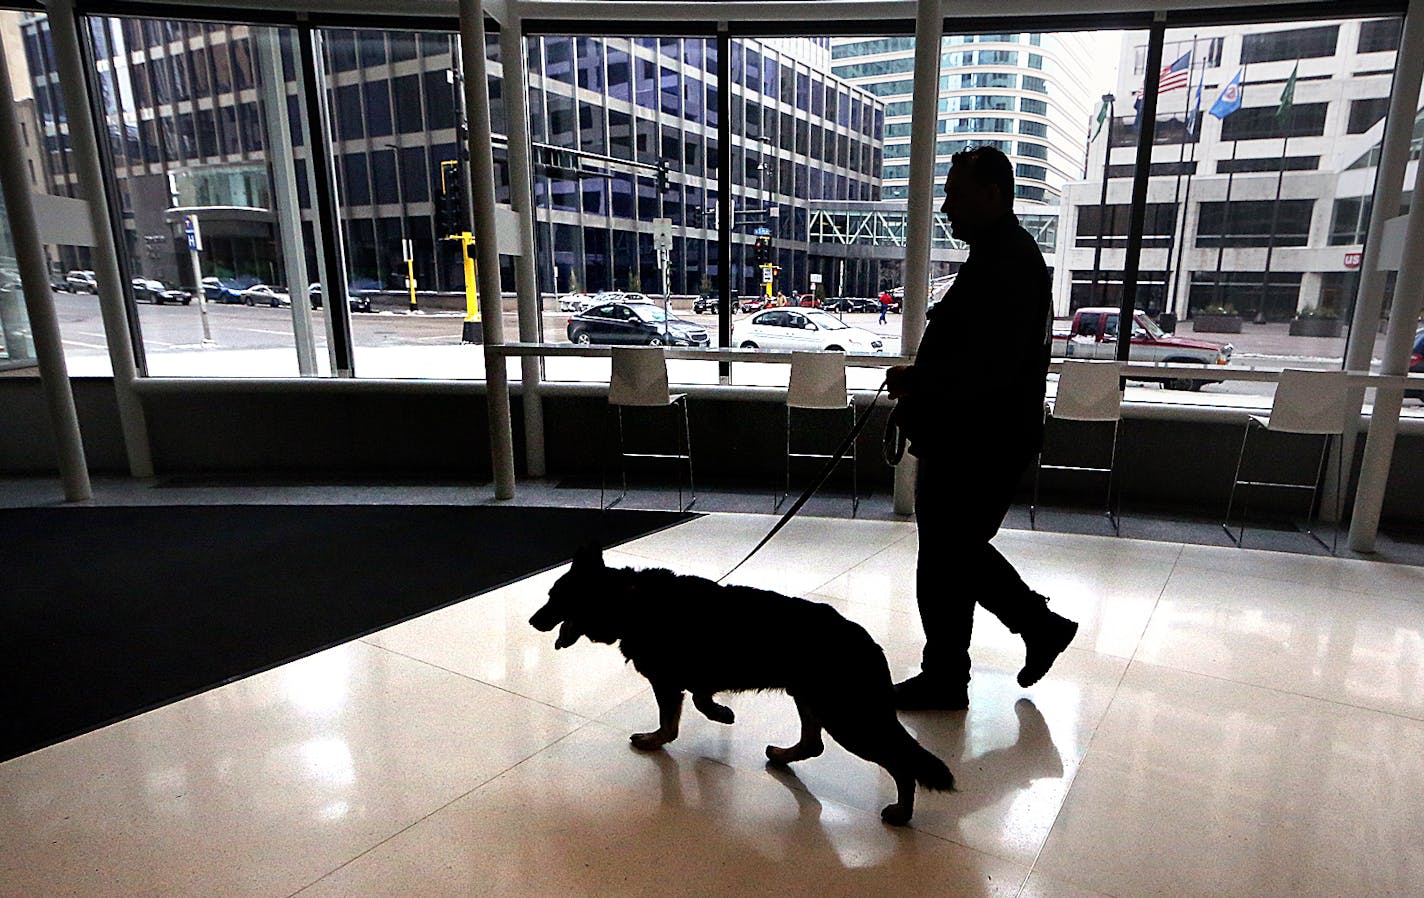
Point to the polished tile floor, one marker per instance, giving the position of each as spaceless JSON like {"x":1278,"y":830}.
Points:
{"x":1228,"y":723}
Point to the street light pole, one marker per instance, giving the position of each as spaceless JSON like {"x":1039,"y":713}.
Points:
{"x":1109,"y":99}
{"x":407,"y":250}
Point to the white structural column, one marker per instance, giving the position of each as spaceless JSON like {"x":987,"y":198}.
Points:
{"x":273,"y":89}
{"x":84,"y":152}
{"x":516,"y":112}
{"x":1389,"y":183}
{"x":1399,"y":341}
{"x":39,"y":302}
{"x":919,"y":226}
{"x":477,"y":104}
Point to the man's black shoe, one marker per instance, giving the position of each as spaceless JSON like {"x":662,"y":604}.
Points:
{"x":921,"y":693}
{"x":1043,"y":643}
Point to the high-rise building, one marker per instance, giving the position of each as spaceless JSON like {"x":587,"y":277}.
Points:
{"x":1027,"y":94}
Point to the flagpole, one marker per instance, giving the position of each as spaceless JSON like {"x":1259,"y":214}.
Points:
{"x":1110,"y":100}
{"x":1178,"y":218}
{"x":1217,"y":285}
{"x":1276,"y":203}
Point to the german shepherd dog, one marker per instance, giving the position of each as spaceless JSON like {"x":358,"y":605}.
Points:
{"x":688,"y":634}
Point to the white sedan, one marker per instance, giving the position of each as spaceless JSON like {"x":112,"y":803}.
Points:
{"x":265,"y":294}
{"x":793,"y":329}
{"x":574,"y":302}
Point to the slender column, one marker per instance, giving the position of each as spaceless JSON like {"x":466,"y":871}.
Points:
{"x":1399,"y":341}
{"x":84,"y":153}
{"x":1389,"y":181}
{"x":39,"y":302}
{"x":273,"y":88}
{"x":1151,"y":82}
{"x":521,"y":194}
{"x":472,"y":53}
{"x":919,"y":223}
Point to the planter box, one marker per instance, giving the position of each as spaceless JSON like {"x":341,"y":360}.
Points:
{"x":1316,"y":327}
{"x":1216,"y":324}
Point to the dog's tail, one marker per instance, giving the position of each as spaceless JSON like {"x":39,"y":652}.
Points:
{"x":930,"y":771}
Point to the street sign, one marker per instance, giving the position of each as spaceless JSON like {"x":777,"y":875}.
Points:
{"x":762,"y":232}
{"x":662,"y":233}
{"x":407,"y":253}
{"x":767,"y":272}
{"x":193,"y":233}
{"x":815,"y":279}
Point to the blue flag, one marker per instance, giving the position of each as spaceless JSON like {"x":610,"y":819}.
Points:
{"x":1230,"y":99}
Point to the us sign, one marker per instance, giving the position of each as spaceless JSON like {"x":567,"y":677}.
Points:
{"x":1352,"y":259}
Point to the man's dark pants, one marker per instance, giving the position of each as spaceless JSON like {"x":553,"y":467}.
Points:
{"x":959,"y":506}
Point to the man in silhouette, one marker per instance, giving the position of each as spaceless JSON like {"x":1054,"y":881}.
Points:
{"x":971,"y":407}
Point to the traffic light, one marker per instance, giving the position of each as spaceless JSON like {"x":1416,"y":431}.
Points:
{"x":664,"y":183}
{"x":763,"y":250}
{"x":450,"y":205}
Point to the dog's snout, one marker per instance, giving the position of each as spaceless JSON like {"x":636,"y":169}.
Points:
{"x":545,"y":619}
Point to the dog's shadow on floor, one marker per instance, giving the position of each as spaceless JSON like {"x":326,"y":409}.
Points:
{"x":841,"y":860}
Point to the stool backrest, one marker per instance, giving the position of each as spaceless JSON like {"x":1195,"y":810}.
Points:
{"x":639,"y":376}
{"x":1309,"y":402}
{"x":1089,"y":391}
{"x":818,"y":380}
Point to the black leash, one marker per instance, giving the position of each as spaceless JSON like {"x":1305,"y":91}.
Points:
{"x":819,"y":482}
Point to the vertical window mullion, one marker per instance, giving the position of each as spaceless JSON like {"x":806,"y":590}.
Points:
{"x":1152,"y":76}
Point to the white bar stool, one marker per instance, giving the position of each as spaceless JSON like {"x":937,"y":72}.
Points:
{"x":1087,"y":392}
{"x":640,"y":380}
{"x":818,"y":382}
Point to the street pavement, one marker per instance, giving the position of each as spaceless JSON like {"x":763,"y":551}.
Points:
{"x":258,"y":342}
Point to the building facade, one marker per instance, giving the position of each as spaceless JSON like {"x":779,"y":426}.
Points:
{"x":1261,"y":213}
{"x":625,"y":131}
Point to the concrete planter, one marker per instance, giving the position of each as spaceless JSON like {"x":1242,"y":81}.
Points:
{"x":1216,"y":324}
{"x":1316,"y":327}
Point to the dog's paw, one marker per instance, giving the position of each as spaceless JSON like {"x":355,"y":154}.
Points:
{"x":896,"y":814}
{"x":648,"y":741}
{"x":719,"y":714}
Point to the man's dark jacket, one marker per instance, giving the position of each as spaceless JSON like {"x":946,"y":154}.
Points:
{"x":977,"y":385}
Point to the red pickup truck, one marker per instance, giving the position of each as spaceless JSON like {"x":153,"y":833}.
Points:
{"x":1092,"y":334}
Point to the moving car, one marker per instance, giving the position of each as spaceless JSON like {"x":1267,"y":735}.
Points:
{"x":356,"y":300}
{"x":1093,"y":333}
{"x":224,"y":289}
{"x":1416,"y":363}
{"x":625,"y":323}
{"x":81,"y":282}
{"x":788,"y":330}
{"x":266,"y":294}
{"x":150,"y":290}
{"x":852,"y":304}
{"x":753,"y":304}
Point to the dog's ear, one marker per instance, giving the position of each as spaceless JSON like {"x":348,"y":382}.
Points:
{"x":588,"y":558}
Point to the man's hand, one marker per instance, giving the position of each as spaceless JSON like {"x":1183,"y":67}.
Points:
{"x":899,"y":381}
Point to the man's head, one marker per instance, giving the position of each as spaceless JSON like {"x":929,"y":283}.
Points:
{"x":979,"y":190}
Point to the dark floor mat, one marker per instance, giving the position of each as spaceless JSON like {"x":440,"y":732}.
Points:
{"x":107,"y":612}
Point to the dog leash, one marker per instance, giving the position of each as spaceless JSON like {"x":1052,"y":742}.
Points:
{"x":825,"y":475}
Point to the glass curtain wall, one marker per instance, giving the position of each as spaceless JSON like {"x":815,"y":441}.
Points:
{"x":1263,"y":169}
{"x":397,"y":113}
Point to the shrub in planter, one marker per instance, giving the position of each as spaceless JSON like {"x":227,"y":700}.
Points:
{"x":1217,"y":319}
{"x":1313,"y":321}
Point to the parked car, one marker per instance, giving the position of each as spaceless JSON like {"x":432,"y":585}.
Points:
{"x":81,"y":282}
{"x":705,"y":304}
{"x":753,"y":304}
{"x":1093,"y":334}
{"x":634,"y":323}
{"x":266,"y":294}
{"x":574,"y":302}
{"x":150,"y":290}
{"x":1416,"y":363}
{"x":356,"y":300}
{"x":851,"y":304}
{"x":224,"y":289}
{"x":788,"y":330}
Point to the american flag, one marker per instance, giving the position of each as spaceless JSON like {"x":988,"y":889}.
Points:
{"x":1177,"y":75}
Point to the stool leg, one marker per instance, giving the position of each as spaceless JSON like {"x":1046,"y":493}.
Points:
{"x":687,"y":435}
{"x":1114,"y":513}
{"x":1314,"y":512}
{"x":854,"y":467}
{"x":622,"y":461}
{"x":1231,"y":500}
